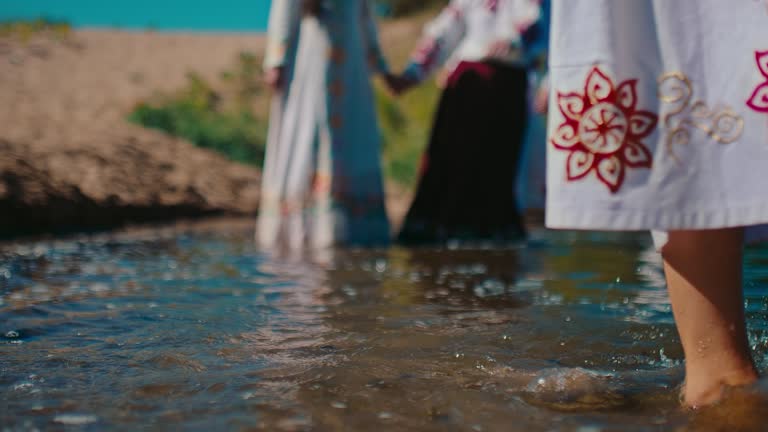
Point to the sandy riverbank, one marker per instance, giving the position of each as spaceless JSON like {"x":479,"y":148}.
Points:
{"x":94,"y":78}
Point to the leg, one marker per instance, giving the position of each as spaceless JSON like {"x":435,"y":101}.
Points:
{"x":704,"y":276}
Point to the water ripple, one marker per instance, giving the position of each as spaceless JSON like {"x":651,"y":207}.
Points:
{"x":195,"y":331}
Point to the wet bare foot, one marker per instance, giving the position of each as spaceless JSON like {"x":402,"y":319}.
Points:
{"x":738,"y":409}
{"x":703,"y":389}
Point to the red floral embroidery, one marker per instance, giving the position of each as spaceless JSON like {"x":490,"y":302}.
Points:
{"x":603,"y":130}
{"x":759,"y":99}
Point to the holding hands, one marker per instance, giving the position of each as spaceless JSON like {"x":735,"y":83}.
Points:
{"x":275,"y":78}
{"x":399,"y":83}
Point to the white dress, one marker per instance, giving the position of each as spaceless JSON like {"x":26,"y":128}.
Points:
{"x":322,"y":183}
{"x":659,"y":115}
{"x":465,"y":29}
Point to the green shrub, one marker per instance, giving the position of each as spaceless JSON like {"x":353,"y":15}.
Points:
{"x":238,"y":136}
{"x":26,"y":29}
{"x":245,"y":82}
{"x":405,"y":127}
{"x":224,"y":119}
{"x":206,"y":118}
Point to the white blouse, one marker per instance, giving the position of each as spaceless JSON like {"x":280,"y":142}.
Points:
{"x":466,"y":29}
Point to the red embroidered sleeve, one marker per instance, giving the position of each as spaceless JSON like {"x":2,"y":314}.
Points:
{"x":441,"y":37}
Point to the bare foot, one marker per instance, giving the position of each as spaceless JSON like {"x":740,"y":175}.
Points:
{"x":704,"y":279}
{"x":739,"y":409}
{"x":701,"y":392}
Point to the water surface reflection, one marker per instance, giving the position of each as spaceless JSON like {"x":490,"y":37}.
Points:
{"x":199,"y":330}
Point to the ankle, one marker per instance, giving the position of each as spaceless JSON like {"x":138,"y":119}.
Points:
{"x":704,"y":388}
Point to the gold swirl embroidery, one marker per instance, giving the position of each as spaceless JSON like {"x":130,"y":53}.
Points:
{"x":724,"y":126}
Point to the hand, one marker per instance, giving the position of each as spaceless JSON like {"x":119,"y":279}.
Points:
{"x":500,"y":49}
{"x":541,"y":100}
{"x":275,"y":78}
{"x":398,"y":84}
{"x":441,"y":78}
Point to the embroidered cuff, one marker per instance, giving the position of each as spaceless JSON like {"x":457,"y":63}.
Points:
{"x":414,"y":72}
{"x":275,"y":55}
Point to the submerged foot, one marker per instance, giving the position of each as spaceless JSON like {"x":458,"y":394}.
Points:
{"x":736,"y":409}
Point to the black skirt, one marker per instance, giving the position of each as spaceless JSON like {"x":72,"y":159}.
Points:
{"x":467,"y":187}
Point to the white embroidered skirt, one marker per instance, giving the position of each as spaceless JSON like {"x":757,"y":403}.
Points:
{"x":659,"y":115}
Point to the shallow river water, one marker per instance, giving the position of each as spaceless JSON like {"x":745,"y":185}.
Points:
{"x":198,"y":330}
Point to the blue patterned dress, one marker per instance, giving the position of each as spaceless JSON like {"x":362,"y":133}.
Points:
{"x":322,"y":183}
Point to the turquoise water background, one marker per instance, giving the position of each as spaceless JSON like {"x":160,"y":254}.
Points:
{"x":164,"y":15}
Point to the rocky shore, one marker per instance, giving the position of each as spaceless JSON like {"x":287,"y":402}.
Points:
{"x":69,"y":159}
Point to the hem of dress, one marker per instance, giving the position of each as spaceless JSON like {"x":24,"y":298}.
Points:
{"x":573,"y":217}
{"x":326,"y":229}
